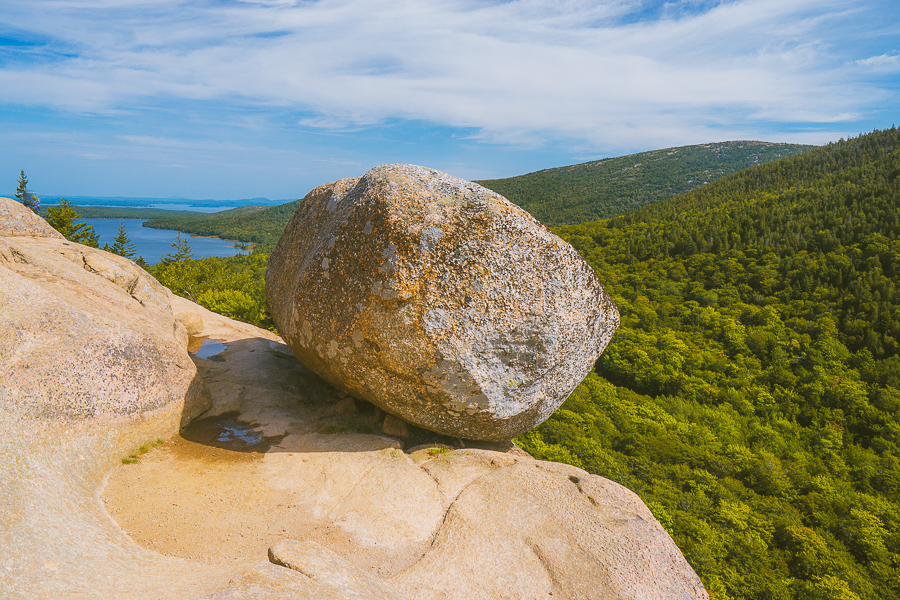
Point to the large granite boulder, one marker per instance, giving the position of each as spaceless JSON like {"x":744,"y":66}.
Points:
{"x":437,"y":300}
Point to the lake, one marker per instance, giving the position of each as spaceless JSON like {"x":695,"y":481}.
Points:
{"x":153,"y":244}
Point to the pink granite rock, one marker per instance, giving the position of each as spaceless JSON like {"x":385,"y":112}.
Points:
{"x":437,"y":300}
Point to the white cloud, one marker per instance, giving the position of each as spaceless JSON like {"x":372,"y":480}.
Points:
{"x":519,"y":71}
{"x":884,"y":63}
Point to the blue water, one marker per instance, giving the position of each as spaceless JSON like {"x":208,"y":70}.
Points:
{"x":209,"y":348}
{"x":153,"y":244}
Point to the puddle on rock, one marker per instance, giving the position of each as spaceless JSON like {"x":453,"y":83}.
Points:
{"x":226,"y":431}
{"x":205,"y":348}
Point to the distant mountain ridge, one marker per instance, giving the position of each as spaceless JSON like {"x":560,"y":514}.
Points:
{"x":573,"y":194}
{"x":134,"y":201}
{"x":613,"y":186}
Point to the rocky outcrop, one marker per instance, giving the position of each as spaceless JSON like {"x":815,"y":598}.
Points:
{"x":437,"y":300}
{"x":309,"y":571}
{"x":273,"y":460}
{"x":92,"y":368}
{"x":18,"y":220}
{"x":86,"y":333}
{"x":92,"y":365}
{"x":328,"y":569}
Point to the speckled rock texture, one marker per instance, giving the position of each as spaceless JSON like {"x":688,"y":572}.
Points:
{"x":438,"y":300}
{"x":18,"y":220}
{"x":92,"y":365}
{"x":328,"y":569}
{"x":86,"y":334}
{"x":307,"y":571}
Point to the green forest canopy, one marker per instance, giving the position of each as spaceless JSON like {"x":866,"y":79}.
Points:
{"x":131,"y":212}
{"x":751,"y":395}
{"x":606,"y":188}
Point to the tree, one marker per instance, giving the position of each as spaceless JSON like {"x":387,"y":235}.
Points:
{"x":62,"y":218}
{"x":182,"y":252}
{"x":23,"y":196}
{"x":21,"y":190}
{"x":122,"y":245}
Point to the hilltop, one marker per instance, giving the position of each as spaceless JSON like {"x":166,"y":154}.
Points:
{"x":751,"y":395}
{"x":605,"y":188}
{"x":132,"y":469}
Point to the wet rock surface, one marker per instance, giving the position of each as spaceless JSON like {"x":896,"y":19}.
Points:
{"x":437,"y":300}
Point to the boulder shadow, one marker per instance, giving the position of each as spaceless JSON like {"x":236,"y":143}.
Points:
{"x":259,"y":387}
{"x":228,"y":432}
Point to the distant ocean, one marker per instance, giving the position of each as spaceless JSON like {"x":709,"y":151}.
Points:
{"x":164,"y":203}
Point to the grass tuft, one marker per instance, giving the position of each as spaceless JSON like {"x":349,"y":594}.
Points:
{"x":136,"y":457}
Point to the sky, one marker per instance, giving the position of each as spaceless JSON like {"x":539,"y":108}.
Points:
{"x":227,"y":99}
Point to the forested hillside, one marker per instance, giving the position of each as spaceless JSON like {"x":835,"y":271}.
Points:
{"x":259,"y":225}
{"x":130,"y":212}
{"x":613,"y":186}
{"x":752,"y":393}
{"x":233,"y":286}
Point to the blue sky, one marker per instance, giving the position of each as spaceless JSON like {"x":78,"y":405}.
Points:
{"x":237,"y":99}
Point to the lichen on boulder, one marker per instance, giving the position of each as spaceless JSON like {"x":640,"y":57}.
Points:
{"x":438,"y":300}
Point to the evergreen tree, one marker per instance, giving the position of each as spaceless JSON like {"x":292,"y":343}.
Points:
{"x":182,"y":252}
{"x":122,"y":245}
{"x":21,"y":189}
{"x":23,"y":196}
{"x":33,"y":203}
{"x":63,"y":218}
